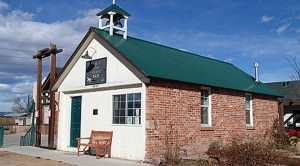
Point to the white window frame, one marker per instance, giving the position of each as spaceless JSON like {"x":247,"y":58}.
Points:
{"x":251,"y":110}
{"x":126,"y":110}
{"x":209,"y":107}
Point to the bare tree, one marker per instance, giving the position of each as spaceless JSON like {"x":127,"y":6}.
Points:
{"x":296,"y":67}
{"x":19,"y":105}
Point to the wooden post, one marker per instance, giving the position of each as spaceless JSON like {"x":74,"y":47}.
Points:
{"x":281,"y":114}
{"x":38,"y":101}
{"x":52,"y":96}
{"x":40,"y":55}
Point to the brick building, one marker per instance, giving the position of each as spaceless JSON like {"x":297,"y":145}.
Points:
{"x":148,"y":93}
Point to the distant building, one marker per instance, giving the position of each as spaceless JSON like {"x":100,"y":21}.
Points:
{"x":290,"y":101}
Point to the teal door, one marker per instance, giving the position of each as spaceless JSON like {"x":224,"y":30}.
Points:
{"x":75,"y":120}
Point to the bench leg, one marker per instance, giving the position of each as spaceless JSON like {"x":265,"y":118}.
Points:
{"x":78,"y":148}
{"x":97,"y":152}
{"x":108,"y":152}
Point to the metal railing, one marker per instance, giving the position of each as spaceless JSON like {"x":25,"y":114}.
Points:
{"x":29,"y":138}
{"x":1,"y":135}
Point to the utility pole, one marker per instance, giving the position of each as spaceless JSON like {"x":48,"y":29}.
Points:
{"x":52,"y":51}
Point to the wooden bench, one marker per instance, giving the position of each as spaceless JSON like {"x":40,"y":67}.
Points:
{"x":98,"y":140}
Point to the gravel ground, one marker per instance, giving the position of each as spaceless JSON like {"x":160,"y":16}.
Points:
{"x":14,"y":159}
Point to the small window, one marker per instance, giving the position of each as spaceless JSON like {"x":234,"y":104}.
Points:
{"x":95,"y":111}
{"x":127,"y":108}
{"x":205,"y":107}
{"x":249,"y":112}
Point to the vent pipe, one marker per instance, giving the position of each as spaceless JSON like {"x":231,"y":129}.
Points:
{"x":256,"y":72}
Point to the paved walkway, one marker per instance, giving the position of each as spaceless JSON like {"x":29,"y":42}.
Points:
{"x":11,"y":144}
{"x":68,"y":157}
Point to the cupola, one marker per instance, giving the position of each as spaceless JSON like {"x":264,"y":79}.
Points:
{"x":114,"y":19}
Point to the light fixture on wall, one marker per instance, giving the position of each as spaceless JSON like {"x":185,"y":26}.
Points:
{"x":86,"y":55}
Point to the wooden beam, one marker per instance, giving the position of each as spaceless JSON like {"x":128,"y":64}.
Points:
{"x":52,"y":96}
{"x":38,"y":102}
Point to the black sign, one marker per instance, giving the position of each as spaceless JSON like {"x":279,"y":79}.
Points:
{"x":95,"y":72}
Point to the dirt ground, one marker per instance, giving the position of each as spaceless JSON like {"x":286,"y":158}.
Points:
{"x":14,"y":159}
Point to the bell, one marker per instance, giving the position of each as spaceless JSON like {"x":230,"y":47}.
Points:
{"x":116,"y":21}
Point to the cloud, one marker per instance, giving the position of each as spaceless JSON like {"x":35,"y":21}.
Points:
{"x":266,"y":18}
{"x":283,"y":28}
{"x":20,"y":38}
{"x":22,"y":88}
{"x":3,"y":5}
{"x":17,"y":44}
{"x":4,"y":88}
{"x":297,"y":30}
{"x":229,"y":60}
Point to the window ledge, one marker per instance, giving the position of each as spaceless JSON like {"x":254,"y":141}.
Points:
{"x":207,"y":128}
{"x":127,"y":125}
{"x":250,"y":128}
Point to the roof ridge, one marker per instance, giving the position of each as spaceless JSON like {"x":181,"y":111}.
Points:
{"x":283,"y":81}
{"x":169,"y":47}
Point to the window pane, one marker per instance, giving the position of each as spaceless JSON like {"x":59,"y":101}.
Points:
{"x":204,"y":115}
{"x":130,"y":104}
{"x":122,"y":105}
{"x":130,"y":97}
{"x":122,"y":120}
{"x":123,"y":98}
{"x":116,"y":112}
{"x":129,"y":120}
{"x":122,"y":112}
{"x":137,"y":96}
{"x":204,"y":93}
{"x":137,"y":104}
{"x":116,"y":120}
{"x":130,"y":112}
{"x":247,"y":104}
{"x":137,"y":112}
{"x":205,"y":101}
{"x":248,"y":98}
{"x":116,"y":98}
{"x":248,"y":117}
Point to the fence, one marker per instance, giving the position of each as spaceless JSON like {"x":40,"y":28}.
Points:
{"x":1,"y":135}
{"x":28,"y":139}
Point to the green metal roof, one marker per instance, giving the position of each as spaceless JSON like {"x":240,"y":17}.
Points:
{"x":289,"y":89}
{"x":114,"y":8}
{"x":168,"y":63}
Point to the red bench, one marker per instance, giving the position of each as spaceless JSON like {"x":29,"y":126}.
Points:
{"x":98,"y":140}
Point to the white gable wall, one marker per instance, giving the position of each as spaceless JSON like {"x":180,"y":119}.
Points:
{"x":128,"y":140}
{"x":117,"y":73}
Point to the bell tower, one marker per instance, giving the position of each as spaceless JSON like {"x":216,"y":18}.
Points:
{"x":114,"y":19}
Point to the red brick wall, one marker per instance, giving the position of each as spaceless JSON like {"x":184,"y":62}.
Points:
{"x":173,"y":111}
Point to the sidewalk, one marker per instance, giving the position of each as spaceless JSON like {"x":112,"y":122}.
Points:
{"x":71,"y":158}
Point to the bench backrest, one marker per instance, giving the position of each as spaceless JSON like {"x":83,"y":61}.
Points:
{"x":100,"y":135}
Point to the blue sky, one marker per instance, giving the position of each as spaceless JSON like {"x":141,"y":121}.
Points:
{"x":238,"y":32}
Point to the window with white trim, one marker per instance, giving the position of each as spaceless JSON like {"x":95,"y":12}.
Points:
{"x":205,"y":107}
{"x":249,"y":112}
{"x":127,"y":108}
